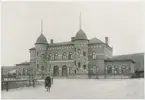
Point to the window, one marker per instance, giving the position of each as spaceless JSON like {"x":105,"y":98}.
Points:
{"x":19,"y":74}
{"x":49,"y":56}
{"x":55,"y":56}
{"x":84,"y":53}
{"x":79,"y":65}
{"x":123,"y":68}
{"x":94,"y":55}
{"x":116,"y":69}
{"x":70,"y":56}
{"x":42,"y":56}
{"x":64,"y":56}
{"x":42,"y":68}
{"x":75,"y":71}
{"x":109,"y":69}
{"x":37,"y":53}
{"x":79,"y":51}
{"x":37,"y":66}
{"x":28,"y":71}
{"x":84,"y":67}
{"x":24,"y":71}
{"x":75,"y":62}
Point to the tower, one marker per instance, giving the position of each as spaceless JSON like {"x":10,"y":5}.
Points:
{"x":41,"y":53}
{"x":80,"y":42}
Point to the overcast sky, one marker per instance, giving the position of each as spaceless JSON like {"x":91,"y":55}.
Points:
{"x":122,"y":22}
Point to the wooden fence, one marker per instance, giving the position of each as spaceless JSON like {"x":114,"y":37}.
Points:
{"x":13,"y":84}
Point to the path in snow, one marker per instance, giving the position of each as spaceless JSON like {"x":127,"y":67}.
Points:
{"x":82,"y":89}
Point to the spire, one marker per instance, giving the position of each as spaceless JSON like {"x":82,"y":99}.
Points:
{"x":80,"y":21}
{"x":41,"y":26}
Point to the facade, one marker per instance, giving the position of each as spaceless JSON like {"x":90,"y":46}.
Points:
{"x":79,"y":57}
{"x":23,"y":70}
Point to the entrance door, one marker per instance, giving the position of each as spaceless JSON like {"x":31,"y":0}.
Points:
{"x":64,"y":70}
{"x":56,"y":71}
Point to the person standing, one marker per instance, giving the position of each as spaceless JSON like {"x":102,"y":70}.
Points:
{"x":48,"y":83}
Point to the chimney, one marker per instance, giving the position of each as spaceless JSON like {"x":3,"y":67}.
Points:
{"x":51,"y":41}
{"x":106,"y":40}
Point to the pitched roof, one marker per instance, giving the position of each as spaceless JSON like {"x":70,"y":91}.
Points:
{"x":24,"y":63}
{"x":32,"y":48}
{"x":95,"y":40}
{"x":138,"y":58}
{"x":41,"y":40}
{"x":61,"y":43}
{"x":7,"y":69}
{"x":114,"y":60}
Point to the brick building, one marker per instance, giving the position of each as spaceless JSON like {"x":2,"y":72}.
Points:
{"x":81,"y":57}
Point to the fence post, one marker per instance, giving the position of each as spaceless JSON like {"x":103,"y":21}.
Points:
{"x":7,"y":86}
{"x":29,"y":80}
{"x":33,"y":83}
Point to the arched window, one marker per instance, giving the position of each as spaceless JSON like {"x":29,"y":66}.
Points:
{"x":84,"y":53}
{"x":49,"y":56}
{"x":94,"y":55}
{"x":79,"y":65}
{"x":123,"y":68}
{"x":70,"y":56}
{"x":64,"y":56}
{"x":116,"y":69}
{"x":55,"y":56}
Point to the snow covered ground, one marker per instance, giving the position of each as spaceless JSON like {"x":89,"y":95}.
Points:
{"x":82,"y":89}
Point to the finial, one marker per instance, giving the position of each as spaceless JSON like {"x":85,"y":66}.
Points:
{"x":41,"y":26}
{"x":80,"y":21}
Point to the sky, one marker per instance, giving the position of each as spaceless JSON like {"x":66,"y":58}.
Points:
{"x":122,"y":22}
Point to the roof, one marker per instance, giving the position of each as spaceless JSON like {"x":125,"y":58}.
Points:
{"x":32,"y":48}
{"x":137,"y":57}
{"x":95,"y":40}
{"x":41,"y":40}
{"x":114,"y":60}
{"x":13,"y":71}
{"x":24,"y":63}
{"x":61,"y":43}
{"x":80,"y":35}
{"x":7,"y":69}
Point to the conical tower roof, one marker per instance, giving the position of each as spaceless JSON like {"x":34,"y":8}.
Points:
{"x":81,"y":35}
{"x":41,"y":40}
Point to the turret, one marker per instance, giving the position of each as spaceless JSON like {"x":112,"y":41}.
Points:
{"x":80,"y":42}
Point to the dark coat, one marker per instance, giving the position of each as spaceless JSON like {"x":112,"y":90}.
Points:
{"x":48,"y":81}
